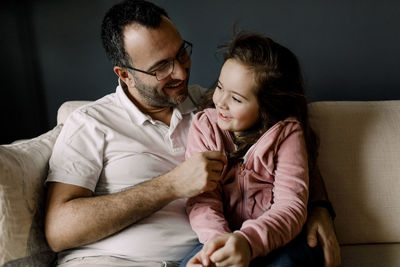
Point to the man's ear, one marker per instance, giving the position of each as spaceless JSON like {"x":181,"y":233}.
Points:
{"x":124,"y":75}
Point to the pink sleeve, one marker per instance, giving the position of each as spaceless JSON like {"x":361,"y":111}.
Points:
{"x":205,"y":210}
{"x":284,"y":220}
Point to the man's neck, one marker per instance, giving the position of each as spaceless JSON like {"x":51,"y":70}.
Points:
{"x":163,"y":114}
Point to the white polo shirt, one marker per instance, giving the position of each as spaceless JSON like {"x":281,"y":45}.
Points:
{"x":110,"y":145}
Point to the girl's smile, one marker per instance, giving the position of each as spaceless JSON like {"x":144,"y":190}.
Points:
{"x":223,"y":117}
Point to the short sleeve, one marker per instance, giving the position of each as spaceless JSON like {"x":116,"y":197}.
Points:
{"x":77,"y":157}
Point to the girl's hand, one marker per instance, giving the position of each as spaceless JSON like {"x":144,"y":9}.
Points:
{"x":197,"y":260}
{"x":226,"y":250}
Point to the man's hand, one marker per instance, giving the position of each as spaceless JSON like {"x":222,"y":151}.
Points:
{"x":226,"y":250}
{"x":200,"y":173}
{"x":320,"y":229}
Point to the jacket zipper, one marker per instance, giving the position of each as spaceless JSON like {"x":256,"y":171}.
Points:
{"x":242,"y":193}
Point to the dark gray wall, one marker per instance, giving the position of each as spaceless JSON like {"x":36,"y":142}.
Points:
{"x":23,"y":107}
{"x":52,"y":52}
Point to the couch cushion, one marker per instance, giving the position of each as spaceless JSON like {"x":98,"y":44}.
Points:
{"x":360,"y":163}
{"x":370,"y":255}
{"x":23,"y":169}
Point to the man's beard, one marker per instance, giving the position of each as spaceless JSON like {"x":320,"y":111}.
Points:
{"x":153,"y":98}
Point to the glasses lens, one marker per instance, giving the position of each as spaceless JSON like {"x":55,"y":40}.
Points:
{"x":182,"y":57}
{"x":165,"y":70}
{"x":185,"y":53}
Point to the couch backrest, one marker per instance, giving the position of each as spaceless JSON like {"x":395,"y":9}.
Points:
{"x":360,"y":164}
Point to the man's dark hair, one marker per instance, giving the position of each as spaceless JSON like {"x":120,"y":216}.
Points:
{"x":120,"y":15}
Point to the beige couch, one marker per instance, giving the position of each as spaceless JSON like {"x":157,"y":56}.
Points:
{"x":359,"y":160}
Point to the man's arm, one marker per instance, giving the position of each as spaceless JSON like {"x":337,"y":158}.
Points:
{"x":317,"y":186}
{"x":319,"y":224}
{"x":75,"y":217}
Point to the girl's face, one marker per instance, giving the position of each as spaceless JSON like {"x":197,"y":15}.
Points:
{"x":235,"y":97}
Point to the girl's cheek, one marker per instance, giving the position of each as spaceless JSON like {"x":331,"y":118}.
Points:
{"x":214,"y":98}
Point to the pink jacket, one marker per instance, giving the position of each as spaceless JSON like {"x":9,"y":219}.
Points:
{"x":265,"y":198}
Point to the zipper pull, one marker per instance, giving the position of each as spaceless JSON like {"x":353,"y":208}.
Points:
{"x":241,"y":167}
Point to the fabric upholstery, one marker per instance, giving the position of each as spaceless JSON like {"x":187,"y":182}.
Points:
{"x":66,"y":108}
{"x":359,"y":162}
{"x":370,"y":255}
{"x":23,"y":168}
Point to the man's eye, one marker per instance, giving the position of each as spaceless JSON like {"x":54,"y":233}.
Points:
{"x":182,"y":54}
{"x":162,"y":68}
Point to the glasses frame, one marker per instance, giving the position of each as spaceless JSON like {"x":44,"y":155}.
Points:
{"x":188,"y":46}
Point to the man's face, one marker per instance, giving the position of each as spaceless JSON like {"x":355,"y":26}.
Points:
{"x":154,"y":97}
{"x":149,"y":50}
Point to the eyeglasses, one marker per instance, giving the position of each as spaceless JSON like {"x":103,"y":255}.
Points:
{"x":167,"y":68}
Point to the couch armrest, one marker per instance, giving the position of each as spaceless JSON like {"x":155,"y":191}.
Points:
{"x":23,"y":169}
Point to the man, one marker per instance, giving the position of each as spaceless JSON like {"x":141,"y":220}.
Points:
{"x":118,"y":179}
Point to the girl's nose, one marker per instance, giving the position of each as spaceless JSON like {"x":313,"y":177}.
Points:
{"x":221,"y":101}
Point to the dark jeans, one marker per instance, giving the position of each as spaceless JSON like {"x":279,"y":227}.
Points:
{"x":295,"y":253}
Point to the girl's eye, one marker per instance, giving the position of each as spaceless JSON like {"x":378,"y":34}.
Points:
{"x":219,"y":87}
{"x":235,"y":99}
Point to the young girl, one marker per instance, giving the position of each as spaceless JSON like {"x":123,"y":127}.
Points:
{"x":260,"y":123}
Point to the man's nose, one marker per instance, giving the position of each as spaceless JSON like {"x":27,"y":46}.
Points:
{"x":180,"y":70}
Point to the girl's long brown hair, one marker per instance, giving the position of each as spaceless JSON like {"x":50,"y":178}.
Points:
{"x":280,"y":89}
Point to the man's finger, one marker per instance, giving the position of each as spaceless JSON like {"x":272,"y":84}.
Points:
{"x":312,"y":239}
{"x":327,"y":257}
{"x":212,"y":184}
{"x":216,"y":166}
{"x":327,"y":247}
{"x":215,"y":155}
{"x":332,"y":259}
